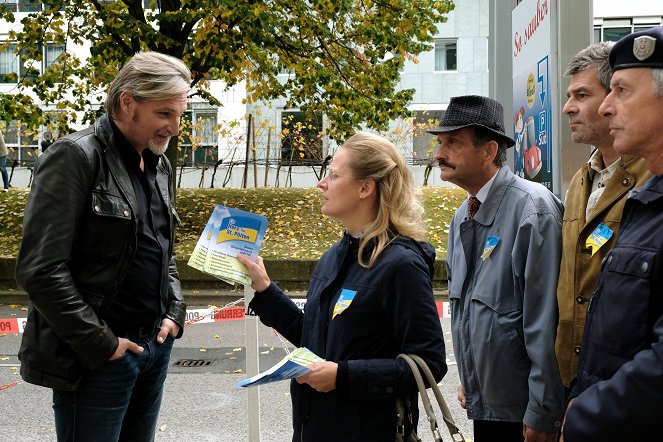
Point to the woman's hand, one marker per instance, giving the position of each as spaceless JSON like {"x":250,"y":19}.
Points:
{"x":322,"y":376}
{"x":259,"y":277}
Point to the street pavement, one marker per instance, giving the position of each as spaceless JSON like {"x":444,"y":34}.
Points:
{"x":200,"y":401}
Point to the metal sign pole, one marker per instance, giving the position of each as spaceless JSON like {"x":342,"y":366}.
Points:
{"x":252,"y":367}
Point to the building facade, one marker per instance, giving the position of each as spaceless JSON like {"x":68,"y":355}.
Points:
{"x":457,"y":64}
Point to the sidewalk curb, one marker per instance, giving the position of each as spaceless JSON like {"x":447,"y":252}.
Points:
{"x":200,"y":288}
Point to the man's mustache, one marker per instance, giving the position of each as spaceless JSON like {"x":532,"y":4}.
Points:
{"x":446,"y":164}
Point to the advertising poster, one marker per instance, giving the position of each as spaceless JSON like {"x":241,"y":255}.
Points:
{"x":532,"y":92}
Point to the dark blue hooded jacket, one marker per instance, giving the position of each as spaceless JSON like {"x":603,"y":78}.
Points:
{"x":393,"y":311}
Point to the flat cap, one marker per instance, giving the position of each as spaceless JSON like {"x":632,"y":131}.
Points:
{"x":642,"y":49}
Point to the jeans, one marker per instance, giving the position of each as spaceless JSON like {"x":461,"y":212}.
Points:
{"x":3,"y":171}
{"x":120,"y":401}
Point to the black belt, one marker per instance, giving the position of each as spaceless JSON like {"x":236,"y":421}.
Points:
{"x":140,"y":332}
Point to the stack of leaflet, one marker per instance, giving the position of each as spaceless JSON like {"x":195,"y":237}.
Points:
{"x":228,"y":233}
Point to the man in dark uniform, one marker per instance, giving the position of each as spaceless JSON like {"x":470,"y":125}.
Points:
{"x":618,"y":392}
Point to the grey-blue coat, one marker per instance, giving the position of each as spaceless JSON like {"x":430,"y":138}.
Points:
{"x":504,"y":305}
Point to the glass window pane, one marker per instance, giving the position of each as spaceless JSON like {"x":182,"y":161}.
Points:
{"x":28,"y":6}
{"x":616,"y":22}
{"x":28,"y":68}
{"x":8,"y":5}
{"x":614,"y":34}
{"x":8,"y":63}
{"x":185,"y":131}
{"x":639,"y":28}
{"x":445,"y":55}
{"x":184,"y":153}
{"x":301,"y":142}
{"x":48,"y":5}
{"x":11,"y":133}
{"x":204,"y":130}
{"x":51,"y":53}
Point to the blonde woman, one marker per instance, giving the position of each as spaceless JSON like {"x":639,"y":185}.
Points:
{"x":369,"y":299}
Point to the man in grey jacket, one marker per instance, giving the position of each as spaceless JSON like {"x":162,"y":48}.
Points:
{"x":502,"y":264}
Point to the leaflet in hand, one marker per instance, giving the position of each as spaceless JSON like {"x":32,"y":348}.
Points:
{"x":292,"y":366}
{"x":228,"y":233}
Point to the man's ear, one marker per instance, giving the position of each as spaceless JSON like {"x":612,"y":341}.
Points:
{"x":126,"y":102}
{"x":490,"y":151}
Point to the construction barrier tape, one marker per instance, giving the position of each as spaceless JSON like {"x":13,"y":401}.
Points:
{"x":14,"y":326}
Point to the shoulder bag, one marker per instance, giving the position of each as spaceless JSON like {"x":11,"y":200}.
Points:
{"x":419,"y":366}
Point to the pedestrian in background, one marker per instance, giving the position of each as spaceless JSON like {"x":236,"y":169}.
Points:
{"x":594,"y":200}
{"x":502,"y":268}
{"x":47,"y":141}
{"x":369,"y":299}
{"x":97,"y":260}
{"x":618,"y":392}
{"x":3,"y":164}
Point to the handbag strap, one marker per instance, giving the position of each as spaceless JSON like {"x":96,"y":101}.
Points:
{"x":417,"y":366}
{"x":446,"y":413}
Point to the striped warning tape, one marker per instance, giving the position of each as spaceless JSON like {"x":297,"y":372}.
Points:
{"x":230,"y":312}
{"x":6,"y":386}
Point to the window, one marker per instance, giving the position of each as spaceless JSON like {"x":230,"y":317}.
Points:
{"x":13,"y":67}
{"x":614,"y":29}
{"x":8,"y":5}
{"x":301,"y":140}
{"x":423,"y":143}
{"x":21,"y":5}
{"x":28,"y":6}
{"x":51,"y":52}
{"x":49,"y":5}
{"x":23,"y":141}
{"x":445,"y":55}
{"x":8,"y":64}
{"x":198,"y":138}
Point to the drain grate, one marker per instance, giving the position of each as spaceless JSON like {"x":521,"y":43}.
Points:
{"x":193,"y":362}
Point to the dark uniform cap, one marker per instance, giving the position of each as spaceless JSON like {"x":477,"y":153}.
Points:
{"x":642,"y":49}
{"x":473,"y":110}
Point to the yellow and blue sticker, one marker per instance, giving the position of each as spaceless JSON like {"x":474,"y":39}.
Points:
{"x":491,"y":243}
{"x":344,"y":301}
{"x":598,"y":237}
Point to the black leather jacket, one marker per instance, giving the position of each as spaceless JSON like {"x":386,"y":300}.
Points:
{"x":79,"y":236}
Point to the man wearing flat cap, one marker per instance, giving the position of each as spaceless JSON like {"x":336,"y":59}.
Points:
{"x":618,"y":391}
{"x":502,"y":266}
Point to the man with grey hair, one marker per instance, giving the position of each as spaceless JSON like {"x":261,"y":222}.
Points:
{"x":97,"y":260}
{"x":594,"y":200}
{"x":618,"y":392}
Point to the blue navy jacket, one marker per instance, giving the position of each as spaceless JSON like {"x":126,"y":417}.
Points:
{"x":393,"y":311}
{"x":618,"y":392}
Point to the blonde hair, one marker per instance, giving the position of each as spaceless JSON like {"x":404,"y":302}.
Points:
{"x":399,"y":210}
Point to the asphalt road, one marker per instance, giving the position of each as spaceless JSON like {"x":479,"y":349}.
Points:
{"x":200,"y":401}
